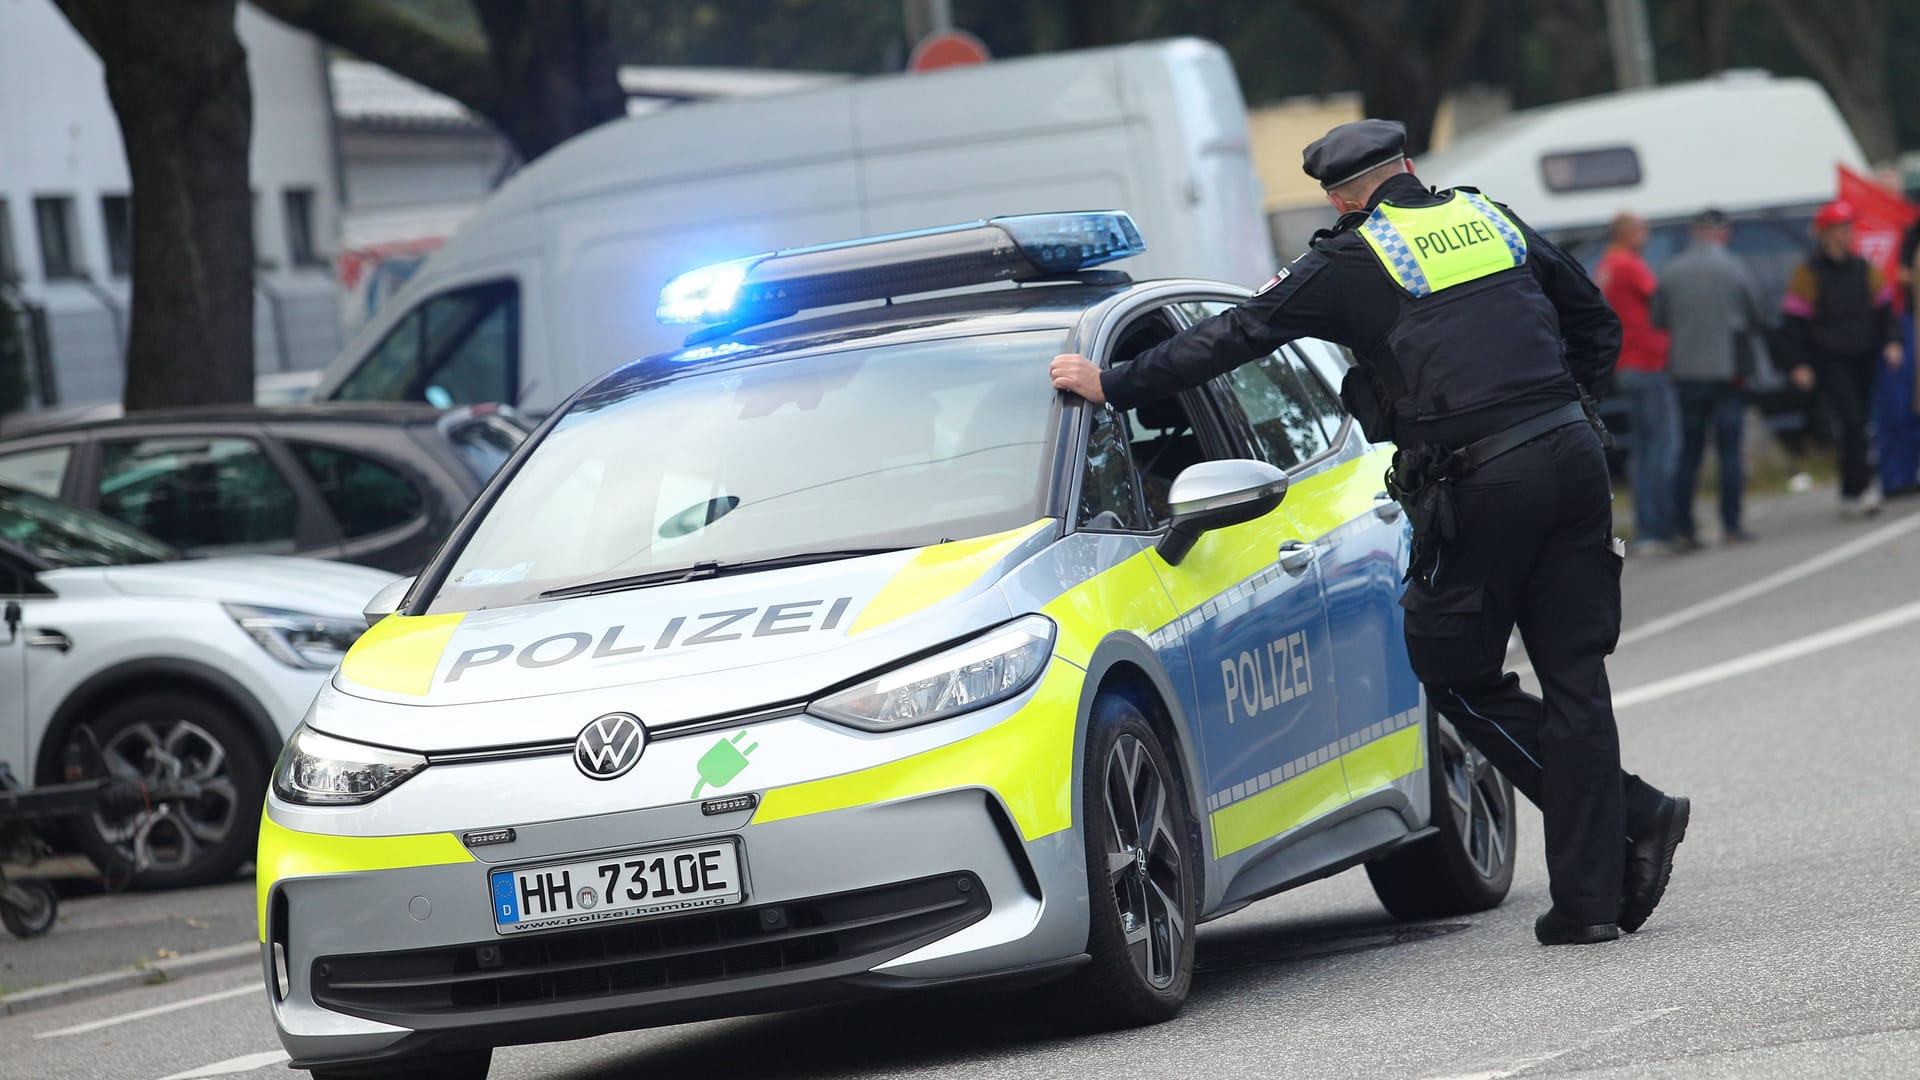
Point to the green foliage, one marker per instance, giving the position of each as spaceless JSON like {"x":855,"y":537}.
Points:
{"x":15,"y":391}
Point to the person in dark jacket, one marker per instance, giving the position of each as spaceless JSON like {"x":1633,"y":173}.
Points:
{"x":1474,"y":337}
{"x":1840,"y":325}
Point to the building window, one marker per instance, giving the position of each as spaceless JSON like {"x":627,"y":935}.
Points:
{"x":59,"y":251}
{"x":296,"y":206}
{"x":117,"y":212}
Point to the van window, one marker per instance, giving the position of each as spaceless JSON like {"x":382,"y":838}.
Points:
{"x":457,"y":348}
{"x":1590,"y":170}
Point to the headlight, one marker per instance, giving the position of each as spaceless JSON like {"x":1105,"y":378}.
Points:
{"x":313,"y":642}
{"x":318,"y":769}
{"x":990,"y":668}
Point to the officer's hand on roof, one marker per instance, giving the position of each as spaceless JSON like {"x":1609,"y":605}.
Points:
{"x":1078,"y":375}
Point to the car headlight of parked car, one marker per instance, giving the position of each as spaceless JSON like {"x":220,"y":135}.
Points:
{"x":296,"y":639}
{"x":320,"y":770}
{"x":992,"y":667}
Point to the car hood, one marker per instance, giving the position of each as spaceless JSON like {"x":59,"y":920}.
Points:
{"x":669,"y":653}
{"x":310,"y":586}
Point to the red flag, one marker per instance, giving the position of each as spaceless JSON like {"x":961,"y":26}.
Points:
{"x":1883,"y":219}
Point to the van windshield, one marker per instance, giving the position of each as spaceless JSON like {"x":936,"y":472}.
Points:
{"x":849,"y":451}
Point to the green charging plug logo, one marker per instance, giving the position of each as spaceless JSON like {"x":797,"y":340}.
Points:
{"x":721,"y":764}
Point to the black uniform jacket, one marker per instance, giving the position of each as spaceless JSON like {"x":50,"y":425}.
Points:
{"x":1338,"y":291}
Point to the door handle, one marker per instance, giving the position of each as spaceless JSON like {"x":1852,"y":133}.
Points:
{"x":49,"y":639}
{"x":1387,"y":508}
{"x":1295,"y":556}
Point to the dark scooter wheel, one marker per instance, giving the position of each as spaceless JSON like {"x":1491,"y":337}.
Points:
{"x":28,"y":907}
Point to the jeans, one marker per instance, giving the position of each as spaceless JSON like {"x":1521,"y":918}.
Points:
{"x":1653,"y":422}
{"x":1894,"y":424}
{"x":1723,"y":406}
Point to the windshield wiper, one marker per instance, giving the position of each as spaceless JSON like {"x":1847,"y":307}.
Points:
{"x":709,"y":569}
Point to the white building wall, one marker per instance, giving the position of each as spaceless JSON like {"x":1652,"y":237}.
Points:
{"x":59,"y":137}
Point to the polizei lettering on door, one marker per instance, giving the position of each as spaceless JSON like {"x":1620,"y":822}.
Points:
{"x":1259,"y":679}
{"x":678,"y":632}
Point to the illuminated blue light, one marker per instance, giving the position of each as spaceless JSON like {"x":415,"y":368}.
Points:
{"x":1063,"y":243}
{"x":704,"y":295}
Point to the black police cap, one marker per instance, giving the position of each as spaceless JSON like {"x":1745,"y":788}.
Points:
{"x":1352,"y":149}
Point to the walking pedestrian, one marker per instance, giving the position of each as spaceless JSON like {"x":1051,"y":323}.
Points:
{"x":1653,"y":407}
{"x":1473,"y":337}
{"x":1841,"y":327}
{"x":1710,"y":307}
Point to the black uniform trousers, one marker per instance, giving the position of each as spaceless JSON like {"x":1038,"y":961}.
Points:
{"x":1533,"y":549}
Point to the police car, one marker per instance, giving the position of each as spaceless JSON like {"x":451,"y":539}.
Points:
{"x":835,"y":653}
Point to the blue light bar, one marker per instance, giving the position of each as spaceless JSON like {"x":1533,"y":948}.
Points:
{"x":1028,"y":247}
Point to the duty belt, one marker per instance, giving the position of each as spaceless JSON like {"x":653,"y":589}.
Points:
{"x":1481,"y":451}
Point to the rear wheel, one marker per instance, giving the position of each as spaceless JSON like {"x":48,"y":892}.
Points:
{"x":1143,"y":878}
{"x":168,"y":734}
{"x":465,"y":1065}
{"x":28,"y":907}
{"x":1467,"y":865}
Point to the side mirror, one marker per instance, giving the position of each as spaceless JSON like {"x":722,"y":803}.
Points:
{"x":1216,"y":494}
{"x":387,"y":600}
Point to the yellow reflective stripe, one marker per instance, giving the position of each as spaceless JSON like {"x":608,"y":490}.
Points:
{"x":400,"y":653}
{"x":286,"y":853}
{"x":938,"y":572}
{"x":1125,"y":596}
{"x":1320,"y":790}
{"x":1384,"y":760}
{"x":1325,"y":501}
{"x":1027,"y":759}
{"x":1430,"y":248}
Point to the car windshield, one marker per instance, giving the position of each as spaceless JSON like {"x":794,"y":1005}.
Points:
{"x":484,"y":443}
{"x":883,"y":447}
{"x":66,"y":536}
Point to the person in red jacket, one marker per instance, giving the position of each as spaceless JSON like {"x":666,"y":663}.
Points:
{"x":1653,"y":406}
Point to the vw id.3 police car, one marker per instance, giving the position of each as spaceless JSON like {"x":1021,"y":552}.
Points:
{"x":837,"y":653}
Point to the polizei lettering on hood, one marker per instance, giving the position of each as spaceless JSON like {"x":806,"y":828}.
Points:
{"x":679,"y":632}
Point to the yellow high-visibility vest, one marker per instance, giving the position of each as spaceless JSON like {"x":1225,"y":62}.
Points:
{"x":1429,"y":248}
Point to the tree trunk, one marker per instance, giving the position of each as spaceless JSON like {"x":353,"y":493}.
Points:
{"x":1405,"y":54}
{"x":1845,"y":41}
{"x":177,"y":76}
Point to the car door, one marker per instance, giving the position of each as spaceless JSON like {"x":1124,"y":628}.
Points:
{"x":209,"y":490}
{"x":1253,"y":623}
{"x":14,"y":578}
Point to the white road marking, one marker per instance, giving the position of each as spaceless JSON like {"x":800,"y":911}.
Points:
{"x":1854,"y":548}
{"x":157,"y":1010}
{"x":1516,"y":1066}
{"x":1766,"y":658}
{"x":244,"y":1063}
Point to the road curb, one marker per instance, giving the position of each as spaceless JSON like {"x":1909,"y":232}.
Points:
{"x":148,"y":974}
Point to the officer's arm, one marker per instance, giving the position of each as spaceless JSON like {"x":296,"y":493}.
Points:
{"x":1588,"y":327}
{"x":1299,"y":302}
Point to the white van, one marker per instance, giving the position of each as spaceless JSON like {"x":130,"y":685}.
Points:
{"x":1762,"y":149}
{"x":555,"y":279}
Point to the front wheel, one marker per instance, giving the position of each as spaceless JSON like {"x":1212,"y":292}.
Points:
{"x":1143,"y":875}
{"x":28,"y":906}
{"x":1467,"y":865}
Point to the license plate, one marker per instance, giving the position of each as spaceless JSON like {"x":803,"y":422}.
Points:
{"x":626,"y":885}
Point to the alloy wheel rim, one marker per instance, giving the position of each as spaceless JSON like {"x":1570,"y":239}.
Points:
{"x":177,"y":833}
{"x":1479,"y":801}
{"x":1145,"y":862}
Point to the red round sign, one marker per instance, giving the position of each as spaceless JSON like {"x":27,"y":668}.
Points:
{"x":949,"y":48}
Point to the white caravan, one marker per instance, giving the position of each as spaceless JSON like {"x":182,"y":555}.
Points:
{"x":554,"y":280}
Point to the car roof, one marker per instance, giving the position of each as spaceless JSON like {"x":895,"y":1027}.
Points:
{"x":111,"y":416}
{"x":1001,"y":310}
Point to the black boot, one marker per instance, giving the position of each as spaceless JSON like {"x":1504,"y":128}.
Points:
{"x":1650,"y":862}
{"x":1554,"y":928}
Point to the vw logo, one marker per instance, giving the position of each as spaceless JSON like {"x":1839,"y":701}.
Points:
{"x":610,"y":746}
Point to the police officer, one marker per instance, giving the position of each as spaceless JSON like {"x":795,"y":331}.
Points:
{"x":1475,"y":341}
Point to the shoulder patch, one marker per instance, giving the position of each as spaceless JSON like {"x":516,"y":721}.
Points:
{"x":1285,"y":272}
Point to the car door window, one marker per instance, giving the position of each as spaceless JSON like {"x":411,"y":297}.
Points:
{"x":457,"y":348}
{"x":40,"y":471}
{"x":365,"y":495}
{"x":1288,"y":424}
{"x":1109,"y":495}
{"x":205,"y":495}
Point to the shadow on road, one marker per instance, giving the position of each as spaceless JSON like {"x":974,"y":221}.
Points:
{"x":917,"y":1030}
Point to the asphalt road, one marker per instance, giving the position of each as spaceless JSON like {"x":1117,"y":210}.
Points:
{"x":1776,"y":683}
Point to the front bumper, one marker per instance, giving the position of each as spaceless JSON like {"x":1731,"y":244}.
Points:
{"x":914,"y":889}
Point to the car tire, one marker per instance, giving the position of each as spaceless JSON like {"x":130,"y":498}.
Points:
{"x":146,"y":736}
{"x":1466,"y":865}
{"x":1143,"y":898}
{"x":464,"y":1065}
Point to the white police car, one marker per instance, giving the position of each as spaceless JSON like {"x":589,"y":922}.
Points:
{"x":837,"y":654}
